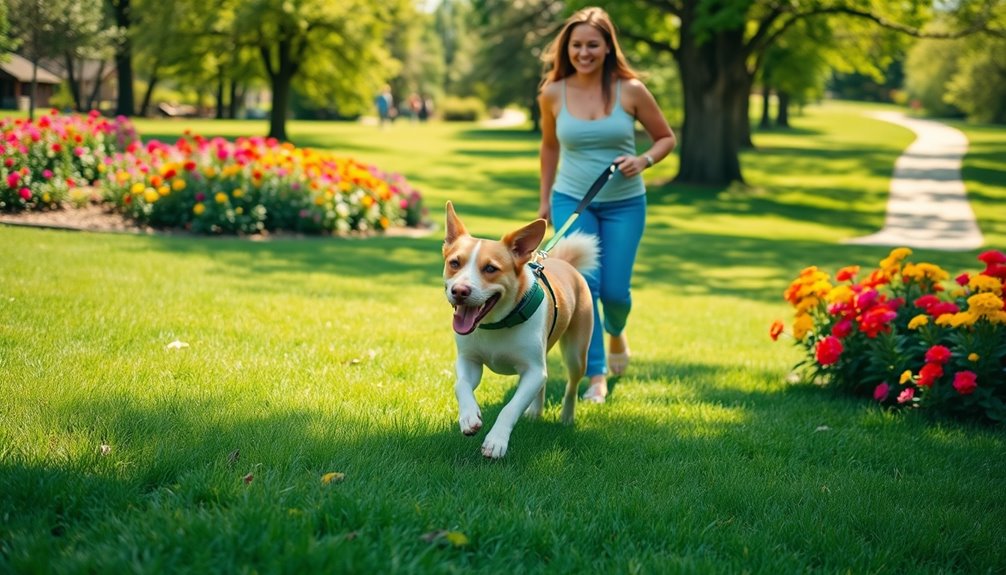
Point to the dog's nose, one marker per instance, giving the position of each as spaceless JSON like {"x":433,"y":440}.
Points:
{"x":460,"y":291}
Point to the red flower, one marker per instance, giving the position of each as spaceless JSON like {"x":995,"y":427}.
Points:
{"x":992,"y":257}
{"x":880,"y":392}
{"x":929,"y":374}
{"x":829,"y":350}
{"x":842,"y":328}
{"x":25,"y":194}
{"x":927,"y":301}
{"x":876,"y":321}
{"x":847,"y":273}
{"x":965,"y":382}
{"x":942,"y":308}
{"x":776,"y":330}
{"x":938,"y":354}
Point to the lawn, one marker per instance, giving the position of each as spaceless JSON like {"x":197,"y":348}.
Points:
{"x":120,"y":452}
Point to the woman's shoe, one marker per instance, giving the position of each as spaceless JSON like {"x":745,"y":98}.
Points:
{"x":596,"y":392}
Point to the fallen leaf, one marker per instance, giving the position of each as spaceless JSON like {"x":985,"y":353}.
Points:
{"x":177,"y":345}
{"x":333,"y":477}
{"x":249,"y":478}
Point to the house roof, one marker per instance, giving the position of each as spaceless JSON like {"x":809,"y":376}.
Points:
{"x":21,"y":69}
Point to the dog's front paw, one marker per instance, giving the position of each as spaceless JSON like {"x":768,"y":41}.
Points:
{"x":494,"y":447}
{"x":470,"y":423}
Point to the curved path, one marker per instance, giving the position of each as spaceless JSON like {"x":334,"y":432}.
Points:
{"x":928,"y":206}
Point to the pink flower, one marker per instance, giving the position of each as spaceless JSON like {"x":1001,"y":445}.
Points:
{"x":907,"y":395}
{"x":880,"y":392}
{"x":965,"y":382}
{"x":938,"y":354}
{"x":829,"y":350}
{"x":25,"y":194}
{"x":47,"y":174}
{"x":12,"y":179}
{"x":842,"y":328}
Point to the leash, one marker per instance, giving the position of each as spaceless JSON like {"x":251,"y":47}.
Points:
{"x":606,"y":175}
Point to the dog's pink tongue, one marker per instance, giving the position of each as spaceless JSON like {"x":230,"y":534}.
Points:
{"x":464,"y":319}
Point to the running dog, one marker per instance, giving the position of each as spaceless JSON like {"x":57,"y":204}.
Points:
{"x":509,"y":311}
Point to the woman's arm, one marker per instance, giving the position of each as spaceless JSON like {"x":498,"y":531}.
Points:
{"x":643,"y":106}
{"x":549,"y":154}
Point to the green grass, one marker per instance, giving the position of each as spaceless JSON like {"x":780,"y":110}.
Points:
{"x":319,"y":355}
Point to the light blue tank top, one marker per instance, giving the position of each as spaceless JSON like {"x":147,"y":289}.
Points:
{"x":587,"y":147}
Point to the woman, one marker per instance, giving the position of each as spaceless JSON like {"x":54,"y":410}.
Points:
{"x":590,"y":101}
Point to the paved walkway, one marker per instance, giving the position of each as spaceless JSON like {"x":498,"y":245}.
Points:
{"x":928,"y":206}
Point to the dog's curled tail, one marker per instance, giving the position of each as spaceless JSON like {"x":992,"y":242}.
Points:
{"x":578,"y":249}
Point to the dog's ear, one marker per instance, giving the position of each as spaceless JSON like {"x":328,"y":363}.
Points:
{"x":455,"y":229}
{"x":523,"y":242}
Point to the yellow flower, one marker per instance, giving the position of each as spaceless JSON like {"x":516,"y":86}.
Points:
{"x":985,"y":304}
{"x":178,"y":184}
{"x":238,"y":192}
{"x":221,"y":198}
{"x":164,"y":190}
{"x":973,"y":357}
{"x":918,"y":321}
{"x":980,"y":283}
{"x":806,"y":304}
{"x":319,"y":200}
{"x":962,"y":318}
{"x":198,"y":209}
{"x":122,"y":176}
{"x":137,"y":188}
{"x":151,"y":195}
{"x":333,"y":477}
{"x":210,"y":172}
{"x":239,"y":210}
{"x":923,"y":271}
{"x":803,"y":324}
{"x":840,"y":294}
{"x":905,"y":376}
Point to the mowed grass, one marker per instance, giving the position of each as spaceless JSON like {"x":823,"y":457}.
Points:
{"x":310,"y":356}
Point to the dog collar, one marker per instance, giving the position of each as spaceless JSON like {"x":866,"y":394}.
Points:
{"x":524,"y":310}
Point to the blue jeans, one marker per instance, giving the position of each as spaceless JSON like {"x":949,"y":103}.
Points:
{"x":619,"y":227}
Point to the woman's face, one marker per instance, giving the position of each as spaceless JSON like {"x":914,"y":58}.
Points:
{"x":587,"y":49}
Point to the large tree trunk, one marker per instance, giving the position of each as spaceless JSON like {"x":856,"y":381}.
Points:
{"x":281,"y":77}
{"x":766,"y":119}
{"x":149,"y":94}
{"x":124,"y":60}
{"x":232,"y":102}
{"x":712,"y":74}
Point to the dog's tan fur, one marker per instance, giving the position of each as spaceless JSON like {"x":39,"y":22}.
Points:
{"x":485,"y":280}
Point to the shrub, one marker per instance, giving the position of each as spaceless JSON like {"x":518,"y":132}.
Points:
{"x":901,"y":336}
{"x":205,"y":185}
{"x":462,"y":109}
{"x":43,"y":161}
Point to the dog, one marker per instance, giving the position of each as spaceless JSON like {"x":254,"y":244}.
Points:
{"x":508,"y":312}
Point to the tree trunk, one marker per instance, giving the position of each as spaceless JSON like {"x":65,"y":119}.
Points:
{"x":232,"y":102}
{"x":124,"y":60}
{"x":743,"y":103}
{"x":712,"y":74}
{"x":73,"y":81}
{"x":149,"y":94}
{"x":782,"y":114}
{"x":34,"y":89}
{"x":96,"y":91}
{"x":281,"y":77}
{"x":766,"y":121}
{"x":220,"y":93}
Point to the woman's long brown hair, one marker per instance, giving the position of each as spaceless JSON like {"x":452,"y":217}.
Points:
{"x":556,"y":56}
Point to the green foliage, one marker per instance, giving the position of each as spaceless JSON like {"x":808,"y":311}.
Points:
{"x":462,"y":109}
{"x":307,"y":357}
{"x":979,"y":85}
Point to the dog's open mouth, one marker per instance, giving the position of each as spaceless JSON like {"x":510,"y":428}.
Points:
{"x":467,"y":318}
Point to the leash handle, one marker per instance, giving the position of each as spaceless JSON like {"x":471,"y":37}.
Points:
{"x":606,"y":175}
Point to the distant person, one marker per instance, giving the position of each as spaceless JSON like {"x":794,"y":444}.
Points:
{"x":590,"y":102}
{"x":385,"y":105}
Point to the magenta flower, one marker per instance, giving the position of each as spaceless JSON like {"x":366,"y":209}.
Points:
{"x":880,"y":392}
{"x":966,"y":382}
{"x":938,"y":354}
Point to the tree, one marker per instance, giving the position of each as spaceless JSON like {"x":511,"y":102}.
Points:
{"x":333,"y":51}
{"x":979,"y":86}
{"x":122,"y":13}
{"x":719,"y":47}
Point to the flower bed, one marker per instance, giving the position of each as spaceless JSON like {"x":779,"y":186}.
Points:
{"x":904,"y":337}
{"x":204,"y":185}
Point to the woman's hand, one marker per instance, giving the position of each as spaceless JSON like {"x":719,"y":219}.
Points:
{"x":545,"y":212}
{"x":631,"y":165}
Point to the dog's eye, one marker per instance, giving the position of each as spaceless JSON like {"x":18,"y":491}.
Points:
{"x":454,"y":264}
{"x":490,"y":269}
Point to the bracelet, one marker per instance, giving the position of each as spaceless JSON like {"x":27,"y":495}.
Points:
{"x":649,"y":160}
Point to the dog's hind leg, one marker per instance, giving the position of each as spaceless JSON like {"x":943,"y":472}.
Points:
{"x":574,"y":355}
